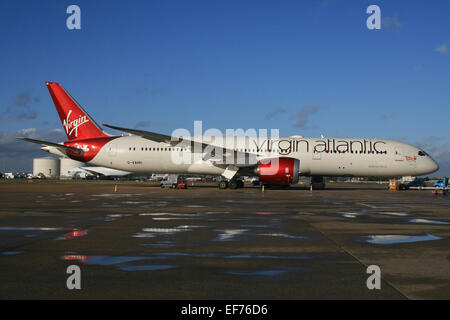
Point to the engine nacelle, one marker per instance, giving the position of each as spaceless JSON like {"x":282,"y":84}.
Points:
{"x":281,"y":171}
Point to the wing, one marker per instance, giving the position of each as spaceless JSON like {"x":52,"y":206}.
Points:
{"x":218,"y":155}
{"x":146,"y":134}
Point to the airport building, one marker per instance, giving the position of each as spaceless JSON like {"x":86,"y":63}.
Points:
{"x":47,"y":166}
{"x":66,"y":166}
{"x":53,"y":168}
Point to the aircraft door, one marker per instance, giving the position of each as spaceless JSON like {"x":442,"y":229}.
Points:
{"x":398,"y":154}
{"x":112,"y":149}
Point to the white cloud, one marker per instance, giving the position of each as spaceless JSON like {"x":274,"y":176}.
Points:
{"x":391,"y":24}
{"x":442,"y":49}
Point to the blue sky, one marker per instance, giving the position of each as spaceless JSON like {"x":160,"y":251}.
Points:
{"x":305,"y":67}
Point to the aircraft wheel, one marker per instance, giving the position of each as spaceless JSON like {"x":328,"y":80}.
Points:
{"x":223,"y":185}
{"x":233,"y":184}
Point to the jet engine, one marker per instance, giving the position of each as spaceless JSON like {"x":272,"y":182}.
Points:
{"x":281,"y":171}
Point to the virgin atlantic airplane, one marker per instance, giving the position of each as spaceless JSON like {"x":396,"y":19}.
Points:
{"x":277,"y":161}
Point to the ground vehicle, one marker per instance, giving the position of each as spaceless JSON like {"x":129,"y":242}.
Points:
{"x":441,"y":187}
{"x":40,"y":175}
{"x":174,"y":181}
{"x":8,"y":175}
{"x":415,"y":184}
{"x":443,"y":183}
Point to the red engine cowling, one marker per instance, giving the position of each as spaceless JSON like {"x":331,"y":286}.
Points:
{"x":282,"y":171}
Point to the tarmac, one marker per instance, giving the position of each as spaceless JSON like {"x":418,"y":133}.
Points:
{"x":144,"y":242}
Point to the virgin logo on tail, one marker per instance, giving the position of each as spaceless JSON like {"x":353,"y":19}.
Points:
{"x":72,"y":126}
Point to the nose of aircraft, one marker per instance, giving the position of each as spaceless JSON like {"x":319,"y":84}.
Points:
{"x":431,"y":166}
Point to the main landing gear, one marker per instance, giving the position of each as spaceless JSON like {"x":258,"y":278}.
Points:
{"x":317,"y":183}
{"x":232,"y":184}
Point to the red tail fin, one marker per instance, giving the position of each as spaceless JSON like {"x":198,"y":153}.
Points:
{"x":76,"y":122}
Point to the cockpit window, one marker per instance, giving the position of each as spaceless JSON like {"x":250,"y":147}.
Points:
{"x":422,"y":153}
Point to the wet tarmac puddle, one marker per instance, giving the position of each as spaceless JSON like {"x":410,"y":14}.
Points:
{"x":426,"y":221}
{"x":114,"y":217}
{"x":153,"y":232}
{"x":29,"y":229}
{"x":283,"y":235}
{"x":11,"y":253}
{"x":256,"y":272}
{"x":73,"y":234}
{"x":396,"y":239}
{"x":146,"y":263}
{"x":116,"y":195}
{"x":229,"y":235}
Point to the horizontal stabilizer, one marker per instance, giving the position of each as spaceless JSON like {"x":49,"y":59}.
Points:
{"x":61,"y":147}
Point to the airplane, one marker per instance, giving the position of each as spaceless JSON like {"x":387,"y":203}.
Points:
{"x":276,"y":161}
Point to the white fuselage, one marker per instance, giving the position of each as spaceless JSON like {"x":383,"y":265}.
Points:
{"x":318,"y":156}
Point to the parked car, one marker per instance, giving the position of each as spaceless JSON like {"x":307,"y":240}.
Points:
{"x":174,"y":181}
